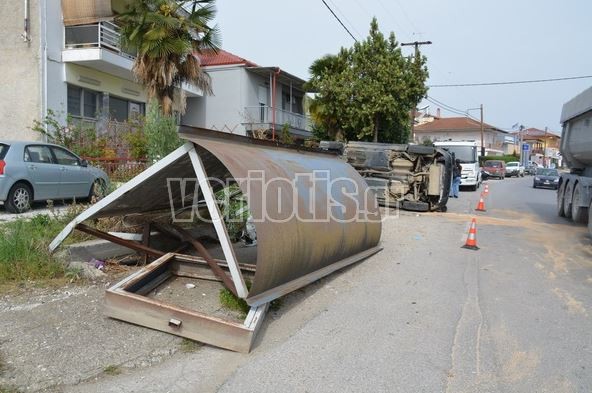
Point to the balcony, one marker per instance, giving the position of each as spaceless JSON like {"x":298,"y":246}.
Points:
{"x":261,"y":117}
{"x":96,"y":45}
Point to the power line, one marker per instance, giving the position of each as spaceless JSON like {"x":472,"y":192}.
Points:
{"x":514,"y":82}
{"x":450,"y":108}
{"x":339,"y":20}
{"x":344,"y":17}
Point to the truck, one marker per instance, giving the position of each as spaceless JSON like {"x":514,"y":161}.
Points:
{"x":466,"y":152}
{"x":406,"y":176}
{"x":574,"y":196}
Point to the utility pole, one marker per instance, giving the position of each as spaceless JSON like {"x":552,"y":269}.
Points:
{"x":545,"y":149}
{"x":482,"y":144}
{"x":522,"y":155}
{"x":416,"y":44}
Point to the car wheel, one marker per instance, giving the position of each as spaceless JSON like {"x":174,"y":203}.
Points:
{"x":567,"y":200}
{"x":560,"y":202}
{"x":534,"y":186}
{"x":578,"y":213}
{"x":20,"y":198}
{"x":97,"y":191}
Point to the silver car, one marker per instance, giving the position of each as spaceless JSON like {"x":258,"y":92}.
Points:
{"x":34,"y":171}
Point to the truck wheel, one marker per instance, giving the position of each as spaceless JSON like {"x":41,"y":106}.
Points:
{"x":590,"y":219}
{"x":560,"y":196}
{"x":567,"y":200}
{"x":578,"y":213}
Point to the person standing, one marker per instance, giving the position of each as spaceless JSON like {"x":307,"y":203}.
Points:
{"x":456,"y":174}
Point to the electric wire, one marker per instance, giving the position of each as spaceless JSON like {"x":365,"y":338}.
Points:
{"x":339,"y":20}
{"x":513,"y":82}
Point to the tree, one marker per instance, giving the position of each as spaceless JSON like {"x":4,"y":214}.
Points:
{"x":168,"y":35}
{"x":367,"y":92}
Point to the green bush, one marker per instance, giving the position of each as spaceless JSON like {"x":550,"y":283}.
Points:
{"x":506,"y":158}
{"x":161,"y":133}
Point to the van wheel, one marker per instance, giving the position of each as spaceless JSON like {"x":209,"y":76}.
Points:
{"x":20,"y":198}
{"x":578,"y":213}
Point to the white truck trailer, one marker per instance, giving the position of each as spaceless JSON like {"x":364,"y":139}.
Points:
{"x":574,"y":196}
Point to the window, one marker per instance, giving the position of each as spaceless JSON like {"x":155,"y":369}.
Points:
{"x":64,"y":157}
{"x":3,"y":150}
{"x":39,"y":154}
{"x":83,"y":102}
{"x":122,"y":110}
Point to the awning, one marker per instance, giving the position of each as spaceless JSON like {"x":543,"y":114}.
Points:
{"x":80,"y":12}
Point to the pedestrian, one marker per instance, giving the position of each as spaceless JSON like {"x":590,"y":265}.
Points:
{"x":456,"y":174}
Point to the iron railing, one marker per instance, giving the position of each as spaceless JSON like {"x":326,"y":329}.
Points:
{"x":264,"y":115}
{"x":103,"y":35}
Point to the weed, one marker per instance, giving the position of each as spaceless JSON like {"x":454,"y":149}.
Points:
{"x":188,"y":346}
{"x":231,"y":302}
{"x":8,"y":389}
{"x":112,"y":370}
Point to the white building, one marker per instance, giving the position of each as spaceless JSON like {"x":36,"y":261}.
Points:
{"x":249,"y":98}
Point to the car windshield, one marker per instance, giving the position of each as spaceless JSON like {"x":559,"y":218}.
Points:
{"x":512,"y":164}
{"x":547,"y":172}
{"x":3,"y":150}
{"x":466,"y":154}
{"x":493,"y":164}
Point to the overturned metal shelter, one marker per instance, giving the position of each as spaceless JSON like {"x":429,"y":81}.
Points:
{"x":312,"y":212}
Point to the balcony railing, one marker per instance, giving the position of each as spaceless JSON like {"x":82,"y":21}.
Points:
{"x":264,"y":115}
{"x":104,"y":35}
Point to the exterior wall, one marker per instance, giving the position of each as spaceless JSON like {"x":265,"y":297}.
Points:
{"x":20,"y":71}
{"x":224,"y":110}
{"x":494,"y":141}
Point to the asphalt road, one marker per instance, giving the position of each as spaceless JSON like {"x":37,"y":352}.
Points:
{"x":424,"y":315}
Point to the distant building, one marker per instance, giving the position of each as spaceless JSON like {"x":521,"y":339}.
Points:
{"x":248,"y":98}
{"x":543,"y":146}
{"x":437,"y":129}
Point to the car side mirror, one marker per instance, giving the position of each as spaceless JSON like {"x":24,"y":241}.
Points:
{"x":83,"y":163}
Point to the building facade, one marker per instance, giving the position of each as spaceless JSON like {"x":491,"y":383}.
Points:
{"x":249,"y":99}
{"x":543,"y":146}
{"x":67,"y":61}
{"x":438,"y":129}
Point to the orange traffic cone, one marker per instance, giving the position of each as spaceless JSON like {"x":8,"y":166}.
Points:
{"x":486,"y":190}
{"x":471,"y":243}
{"x":481,"y":205}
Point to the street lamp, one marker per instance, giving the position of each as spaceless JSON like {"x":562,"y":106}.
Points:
{"x":482,"y":144}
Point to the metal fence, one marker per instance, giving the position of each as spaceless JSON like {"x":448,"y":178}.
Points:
{"x":96,"y":35}
{"x":119,"y":169}
{"x":264,"y":115}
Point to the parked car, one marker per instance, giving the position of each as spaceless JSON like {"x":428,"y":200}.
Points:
{"x":546,"y":177}
{"x":34,"y":171}
{"x":513,"y":168}
{"x":494,"y":168}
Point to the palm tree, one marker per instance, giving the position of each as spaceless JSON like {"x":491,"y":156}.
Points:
{"x":168,"y":36}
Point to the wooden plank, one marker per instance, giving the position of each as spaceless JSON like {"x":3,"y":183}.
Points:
{"x":146,"y":242}
{"x":218,"y":222}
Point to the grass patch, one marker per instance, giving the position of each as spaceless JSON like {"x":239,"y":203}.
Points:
{"x":188,"y":346}
{"x":23,"y":249}
{"x":112,"y":370}
{"x":231,"y":302}
{"x":24,"y":254}
{"x":6,"y":389}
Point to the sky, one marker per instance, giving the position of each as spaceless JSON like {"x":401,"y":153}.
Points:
{"x":472,"y":42}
